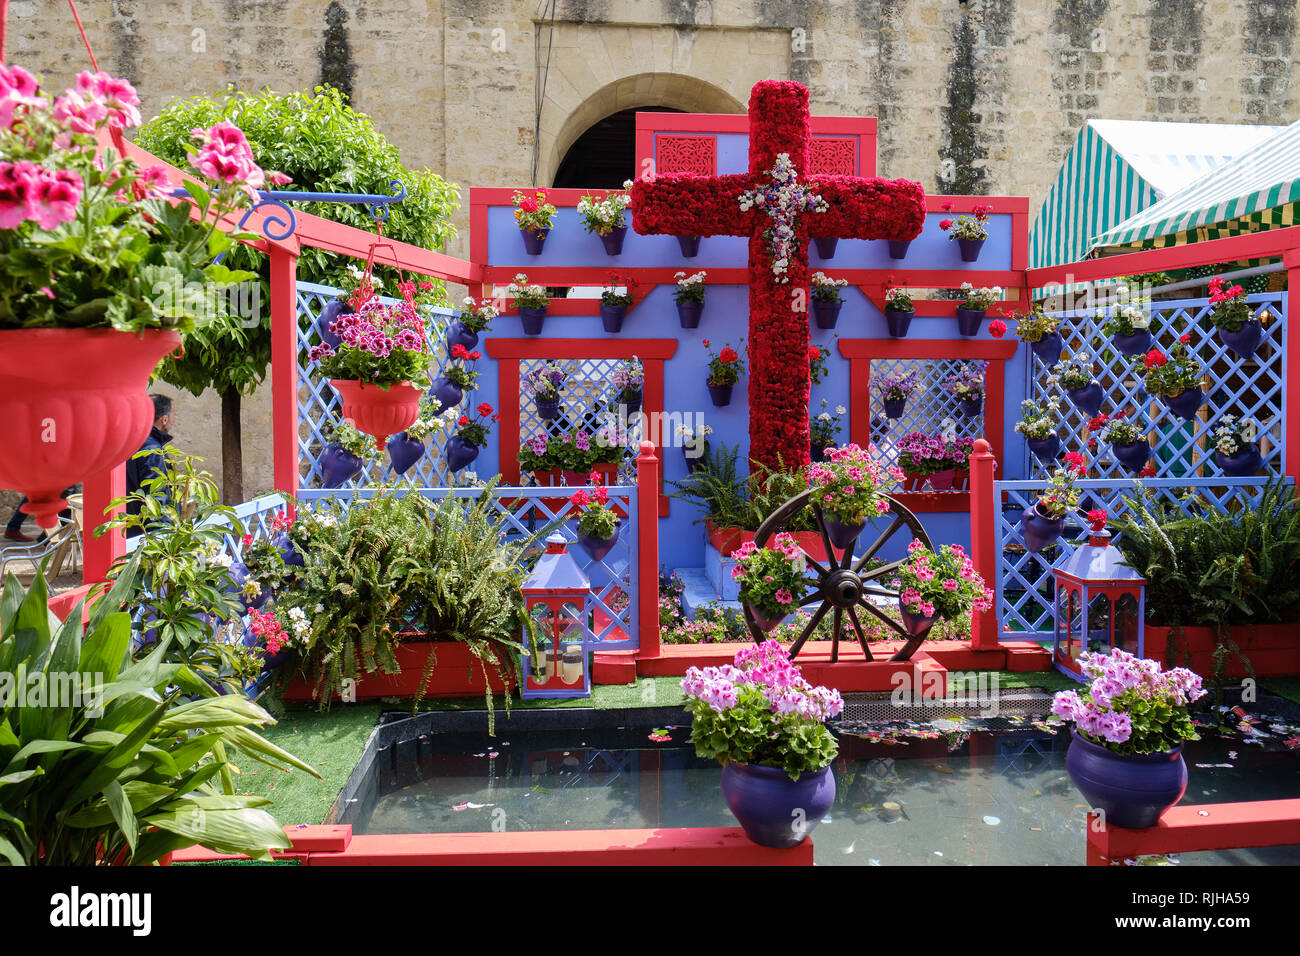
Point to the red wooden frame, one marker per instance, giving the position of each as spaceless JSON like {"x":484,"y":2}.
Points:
{"x":860,"y":352}
{"x":509,"y":352}
{"x":1190,"y":829}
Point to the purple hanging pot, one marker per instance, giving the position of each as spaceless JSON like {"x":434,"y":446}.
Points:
{"x":688,"y":314}
{"x":694,"y":460}
{"x":1087,"y":399}
{"x":1186,"y":403}
{"x":292,"y":557}
{"x":460,"y":453}
{"x":631,"y":401}
{"x":898,"y":321}
{"x":404,"y":452}
{"x":898,"y":248}
{"x":826,"y":246}
{"x":970,"y":249}
{"x":1132,"y":456}
{"x":1048,"y":348}
{"x":611,"y":317}
{"x":548,"y":409}
{"x":774,"y":810}
{"x":826,"y":313}
{"x":332,"y":310}
{"x":240,"y":574}
{"x":1133,"y":790}
{"x":532,"y":318}
{"x":534,"y":239}
{"x":843,"y":535}
{"x":971,"y":407}
{"x":1139,"y":343}
{"x":445,"y":392}
{"x":765,"y":624}
{"x":690,"y":246}
{"x":894,"y":407}
{"x":613,"y":241}
{"x":338,"y":466}
{"x":457,"y":334}
{"x":721,"y":395}
{"x":1241,"y":464}
{"x":1039,"y":530}
{"x":599,"y":547}
{"x":968,"y":321}
{"x":915,"y":624}
{"x":1045,"y":449}
{"x":1245,"y":340}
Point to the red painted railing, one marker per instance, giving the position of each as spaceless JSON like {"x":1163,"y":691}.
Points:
{"x":1213,"y":826}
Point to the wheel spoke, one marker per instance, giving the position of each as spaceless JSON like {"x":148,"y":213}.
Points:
{"x":878,"y":592}
{"x":837,"y":626}
{"x":884,"y":618}
{"x":862,"y":637}
{"x":826,"y":535}
{"x":876,"y":573}
{"x":811,"y":626}
{"x":879,"y":543}
{"x":811,"y":562}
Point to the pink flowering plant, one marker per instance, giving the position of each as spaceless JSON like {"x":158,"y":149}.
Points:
{"x":89,"y":238}
{"x":1132,"y":706}
{"x":848,"y":485}
{"x":760,"y":710}
{"x":382,"y":345}
{"x":772,"y":579}
{"x":921,"y":454}
{"x":941,"y":584}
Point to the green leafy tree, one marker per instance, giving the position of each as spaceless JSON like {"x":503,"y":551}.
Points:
{"x":323,"y":146}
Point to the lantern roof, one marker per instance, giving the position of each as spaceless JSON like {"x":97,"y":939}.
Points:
{"x":556,"y":572}
{"x":1098,"y":562}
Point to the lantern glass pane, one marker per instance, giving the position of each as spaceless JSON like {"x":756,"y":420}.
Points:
{"x":572,"y":625}
{"x":544,"y":665}
{"x":1126,"y":623}
{"x":1099,"y":624}
{"x":1072,"y":645}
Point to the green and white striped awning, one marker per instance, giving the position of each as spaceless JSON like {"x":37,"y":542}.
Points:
{"x":1118,"y":168}
{"x":1238,"y":193}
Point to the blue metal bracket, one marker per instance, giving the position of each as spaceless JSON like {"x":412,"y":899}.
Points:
{"x":281,"y":227}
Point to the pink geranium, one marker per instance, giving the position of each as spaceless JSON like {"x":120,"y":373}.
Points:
{"x":18,"y":91}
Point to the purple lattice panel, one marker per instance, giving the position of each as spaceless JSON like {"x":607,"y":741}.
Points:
{"x":1245,"y":388}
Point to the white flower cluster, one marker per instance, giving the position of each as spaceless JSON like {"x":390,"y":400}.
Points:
{"x":486,"y":310}
{"x":684,"y":281}
{"x":215,"y":554}
{"x":783,"y":200}
{"x":358,"y":274}
{"x":522,"y":285}
{"x":984,"y":296}
{"x":299,"y":622}
{"x":822,"y":279}
{"x":1231,"y":435}
{"x":688,"y":434}
{"x":1134,"y":316}
{"x":606,"y":213}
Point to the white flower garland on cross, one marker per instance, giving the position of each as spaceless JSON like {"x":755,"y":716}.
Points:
{"x":783,"y":200}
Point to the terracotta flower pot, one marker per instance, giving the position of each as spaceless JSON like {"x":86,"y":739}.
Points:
{"x":377,"y":411}
{"x":74,"y":404}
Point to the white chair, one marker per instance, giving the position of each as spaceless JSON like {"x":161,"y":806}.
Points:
{"x":56,"y":546}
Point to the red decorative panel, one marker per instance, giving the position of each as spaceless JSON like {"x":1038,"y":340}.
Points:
{"x":687,"y":154}
{"x":834,"y":155}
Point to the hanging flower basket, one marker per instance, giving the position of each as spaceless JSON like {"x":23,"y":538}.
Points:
{"x":1241,"y":464}
{"x":1132,"y":456}
{"x":688,"y":313}
{"x":1136,"y":344}
{"x":1045,"y":449}
{"x":377,"y":411}
{"x":613,"y":241}
{"x":826,"y":246}
{"x":843,"y":535}
{"x":445,"y":392}
{"x":460,"y":452}
{"x":898,"y":248}
{"x":970,"y":249}
{"x":404,"y":451}
{"x":690,"y":246}
{"x":915,"y":624}
{"x":1186,"y":403}
{"x":721,"y":394}
{"x":534,"y":240}
{"x":598,"y":548}
{"x":971,"y":407}
{"x":1245,"y":340}
{"x":894,"y":407}
{"x":532,"y":319}
{"x":1087,"y":399}
{"x":1049,"y":347}
{"x":611,"y":317}
{"x":457,"y":334}
{"x":826,"y":314}
{"x":74,"y":404}
{"x":898,"y":322}
{"x":338,"y":466}
{"x":332,"y":310}
{"x":548,"y":409}
{"x":1038,"y":529}
{"x":968,"y":321}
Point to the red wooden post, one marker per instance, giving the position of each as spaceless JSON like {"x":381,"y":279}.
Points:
{"x":1291,"y":388}
{"x":983,"y":540}
{"x":284,"y":369}
{"x":647,"y":517}
{"x":99,"y":553}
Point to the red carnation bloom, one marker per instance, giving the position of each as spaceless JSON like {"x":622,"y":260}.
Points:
{"x":1154,"y":358}
{"x":1148,"y":471}
{"x":485,"y":409}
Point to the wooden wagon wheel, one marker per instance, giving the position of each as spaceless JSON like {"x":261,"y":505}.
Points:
{"x":845,"y":585}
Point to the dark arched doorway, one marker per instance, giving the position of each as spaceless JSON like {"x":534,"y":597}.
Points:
{"x":604,"y":157}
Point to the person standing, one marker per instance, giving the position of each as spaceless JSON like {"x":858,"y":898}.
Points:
{"x":141,"y":468}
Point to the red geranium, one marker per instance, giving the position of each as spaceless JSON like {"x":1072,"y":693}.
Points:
{"x":484,"y":409}
{"x":945,"y":224}
{"x":463,"y":420}
{"x":1154,"y":358}
{"x":1098,"y":519}
{"x":1185,"y":337}
{"x":997,"y":328}
{"x":728,"y":355}
{"x":1075,"y":462}
{"x":459,"y":351}
{"x":1148,"y":471}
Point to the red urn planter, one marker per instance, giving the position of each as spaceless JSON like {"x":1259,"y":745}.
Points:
{"x":376,"y":411}
{"x":74,"y":405}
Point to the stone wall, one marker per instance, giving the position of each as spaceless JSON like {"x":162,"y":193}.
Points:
{"x":983,"y":96}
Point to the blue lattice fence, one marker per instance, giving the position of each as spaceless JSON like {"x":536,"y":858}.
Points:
{"x":1025,"y":588}
{"x":318,"y":403}
{"x":1245,"y":388}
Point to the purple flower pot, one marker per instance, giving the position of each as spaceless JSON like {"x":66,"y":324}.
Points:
{"x":445,"y":392}
{"x":1139,"y":343}
{"x":694,"y":461}
{"x":332,"y":310}
{"x":721,"y":394}
{"x":1087,"y":399}
{"x":826,"y":313}
{"x":338,"y":466}
{"x":815,"y":453}
{"x":1048,"y":348}
{"x":632,"y":402}
{"x":843,"y":535}
{"x":240,"y":574}
{"x":942,"y":480}
{"x":457,"y":334}
{"x":894,"y":407}
{"x":898,"y":248}
{"x":1133,"y":456}
{"x":534,"y":239}
{"x":826,"y":246}
{"x":690,"y":246}
{"x":1245,"y":340}
{"x":765,"y":624}
{"x":688,"y":313}
{"x":613,"y":241}
{"x":532,"y":319}
{"x":1243,"y":464}
{"x":404,"y":452}
{"x":1039,"y":530}
{"x":1133,"y":790}
{"x":460,"y":453}
{"x":611,"y":317}
{"x":915,"y":624}
{"x":971,"y":407}
{"x":968,"y":321}
{"x":291,"y":555}
{"x":774,"y":810}
{"x":599,"y":547}
{"x":1045,"y":449}
{"x":898,"y":321}
{"x":548,"y":409}
{"x":1186,"y":403}
{"x":277,"y":659}
{"x":970,"y":249}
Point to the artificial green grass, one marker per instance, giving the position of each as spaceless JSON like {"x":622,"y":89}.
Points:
{"x":1050,"y":681}
{"x":1288,"y":687}
{"x":331,"y":742}
{"x":646,"y":692}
